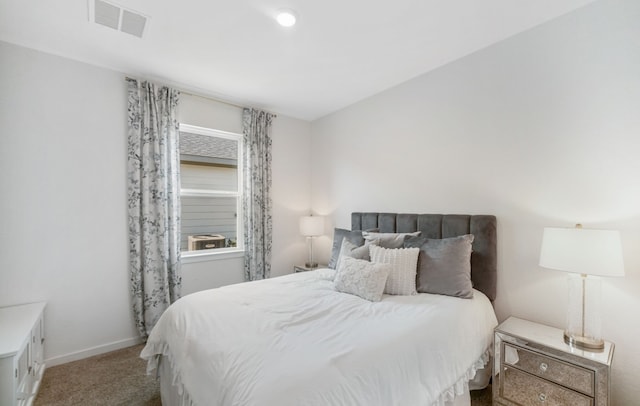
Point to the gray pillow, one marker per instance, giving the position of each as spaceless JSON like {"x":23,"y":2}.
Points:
{"x":444,"y":265}
{"x":361,"y":278}
{"x":389,"y":240}
{"x":354,"y":237}
{"x":348,"y":249}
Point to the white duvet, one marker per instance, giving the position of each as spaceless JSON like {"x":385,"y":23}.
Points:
{"x":294,"y":340}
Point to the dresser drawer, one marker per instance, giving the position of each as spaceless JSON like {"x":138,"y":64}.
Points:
{"x":551,"y":369}
{"x":528,"y":390}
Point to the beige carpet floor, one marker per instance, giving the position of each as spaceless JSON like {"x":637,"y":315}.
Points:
{"x":114,"y":378}
{"x":119,"y":378}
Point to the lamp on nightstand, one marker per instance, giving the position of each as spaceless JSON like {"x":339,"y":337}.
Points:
{"x":587,"y":254}
{"x":311,"y":227}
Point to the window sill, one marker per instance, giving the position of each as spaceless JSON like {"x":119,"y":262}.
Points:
{"x":191,"y":257}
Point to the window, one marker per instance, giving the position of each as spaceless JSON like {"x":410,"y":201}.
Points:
{"x":211,"y":187}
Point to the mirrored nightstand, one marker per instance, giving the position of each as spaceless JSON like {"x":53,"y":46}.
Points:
{"x":534,"y":366}
{"x":302,"y":268}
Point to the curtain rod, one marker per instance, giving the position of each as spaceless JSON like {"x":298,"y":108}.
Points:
{"x":128,"y":78}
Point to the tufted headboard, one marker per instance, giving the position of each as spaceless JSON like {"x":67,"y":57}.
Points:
{"x":483,"y":227}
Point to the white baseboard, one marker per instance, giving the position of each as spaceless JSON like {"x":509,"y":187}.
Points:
{"x":90,"y":352}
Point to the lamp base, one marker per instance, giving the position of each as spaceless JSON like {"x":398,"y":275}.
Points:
{"x":586,"y":343}
{"x":311,"y":264}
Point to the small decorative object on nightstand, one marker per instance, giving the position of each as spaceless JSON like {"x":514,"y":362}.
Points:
{"x":305,"y":268}
{"x":533,"y":365}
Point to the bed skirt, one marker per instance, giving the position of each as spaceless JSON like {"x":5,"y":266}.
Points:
{"x":172,"y":394}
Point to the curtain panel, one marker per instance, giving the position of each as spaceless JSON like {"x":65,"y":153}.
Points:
{"x":256,"y":199}
{"x":153,"y":201}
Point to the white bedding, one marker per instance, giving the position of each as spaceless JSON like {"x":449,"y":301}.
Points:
{"x":294,"y":340}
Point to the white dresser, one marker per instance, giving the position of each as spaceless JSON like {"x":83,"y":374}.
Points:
{"x":21,"y":353}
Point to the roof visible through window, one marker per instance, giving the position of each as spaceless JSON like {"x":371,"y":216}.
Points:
{"x":208,"y":149}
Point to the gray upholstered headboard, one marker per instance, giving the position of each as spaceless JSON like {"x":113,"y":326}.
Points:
{"x":483,"y":227}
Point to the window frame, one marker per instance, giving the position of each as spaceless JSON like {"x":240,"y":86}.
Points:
{"x":217,"y":253}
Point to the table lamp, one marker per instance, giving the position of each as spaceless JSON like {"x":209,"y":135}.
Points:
{"x":311,"y":227}
{"x":590,"y":253}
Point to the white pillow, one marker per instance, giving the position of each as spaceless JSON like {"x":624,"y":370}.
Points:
{"x":361,"y":278}
{"x":389,"y":240}
{"x":404,"y":261}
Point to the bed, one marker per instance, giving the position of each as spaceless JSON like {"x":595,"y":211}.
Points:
{"x":295,"y":340}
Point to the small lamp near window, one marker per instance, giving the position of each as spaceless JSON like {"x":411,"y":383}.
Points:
{"x":589,"y":253}
{"x":311,"y":227}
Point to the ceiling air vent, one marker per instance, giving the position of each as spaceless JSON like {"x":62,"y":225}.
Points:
{"x":117,"y":17}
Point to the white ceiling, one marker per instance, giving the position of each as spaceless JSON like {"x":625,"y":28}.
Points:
{"x":340,"y":52}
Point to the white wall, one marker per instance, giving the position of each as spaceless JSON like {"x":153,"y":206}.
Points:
{"x":63,"y":221}
{"x":63,"y":207}
{"x":541,"y":130}
{"x":291,"y":191}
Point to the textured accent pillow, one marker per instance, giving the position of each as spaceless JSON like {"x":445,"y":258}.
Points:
{"x":351,"y":250}
{"x":444,"y":265}
{"x":361,"y":278}
{"x":389,"y":240}
{"x":402,"y":278}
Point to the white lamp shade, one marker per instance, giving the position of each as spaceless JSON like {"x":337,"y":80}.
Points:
{"x":583,"y":251}
{"x":311,"y":226}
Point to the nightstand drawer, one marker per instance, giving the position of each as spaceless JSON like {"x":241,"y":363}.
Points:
{"x":571,"y":376}
{"x":528,"y":390}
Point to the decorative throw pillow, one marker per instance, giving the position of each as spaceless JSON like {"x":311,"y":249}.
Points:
{"x":361,"y":278}
{"x":351,"y":250}
{"x":444,"y":265}
{"x":402,"y":278}
{"x":339,"y":234}
{"x":389,"y":240}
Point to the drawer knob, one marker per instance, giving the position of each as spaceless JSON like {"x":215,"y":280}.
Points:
{"x":542,"y":397}
{"x":543,"y":367}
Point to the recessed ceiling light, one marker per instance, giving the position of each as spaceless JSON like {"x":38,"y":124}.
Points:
{"x":286,"y":18}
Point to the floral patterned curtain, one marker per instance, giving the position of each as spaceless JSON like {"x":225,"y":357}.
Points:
{"x":256,"y":203}
{"x":154,"y":201}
